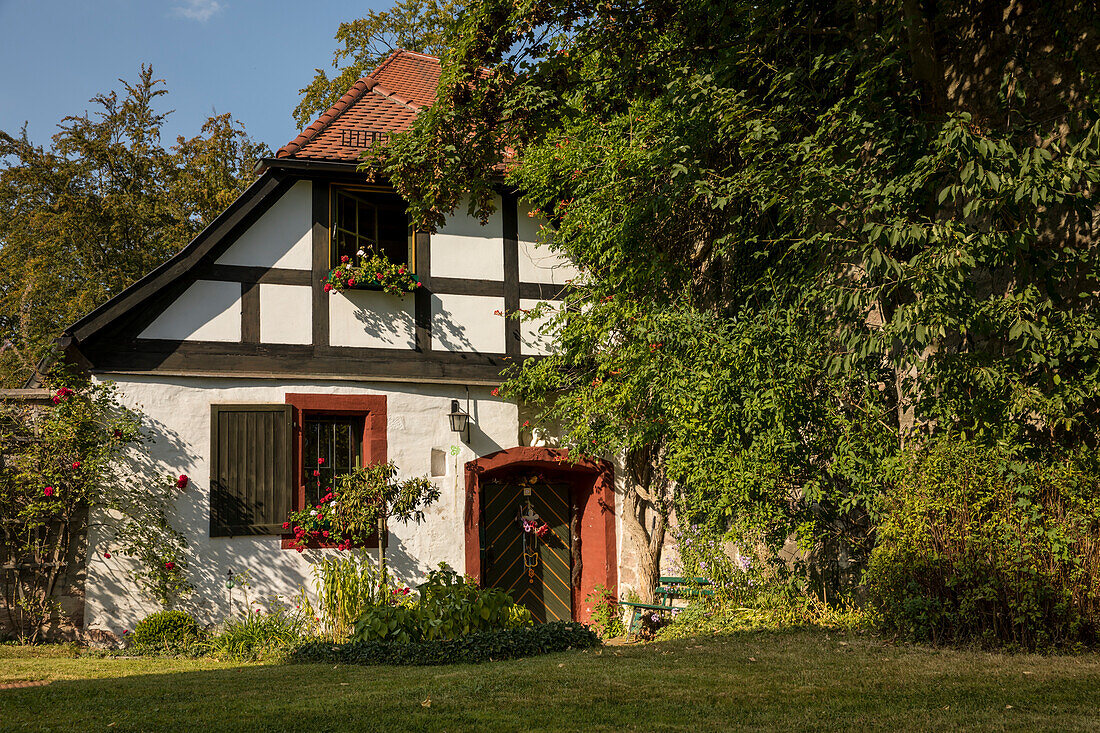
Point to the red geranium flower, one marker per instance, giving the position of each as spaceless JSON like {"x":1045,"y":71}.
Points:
{"x":286,"y":525}
{"x":320,"y":461}
{"x":48,"y":491}
{"x":351,"y":283}
{"x":76,"y":465}
{"x":107,"y":555}
{"x":328,"y":287}
{"x":181,"y":482}
{"x":343,"y":258}
{"x":495,"y":392}
{"x":169,"y":565}
{"x":316,"y":472}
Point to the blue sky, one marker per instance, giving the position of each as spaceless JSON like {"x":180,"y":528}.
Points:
{"x":247,"y":57}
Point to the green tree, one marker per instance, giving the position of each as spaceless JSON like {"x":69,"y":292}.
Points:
{"x":412,"y":25}
{"x":809,"y":234}
{"x":103,"y":205}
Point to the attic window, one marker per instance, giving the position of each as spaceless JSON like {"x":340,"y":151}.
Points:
{"x":363,"y":221}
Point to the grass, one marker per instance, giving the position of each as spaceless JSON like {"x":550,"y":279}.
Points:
{"x":805,"y":680}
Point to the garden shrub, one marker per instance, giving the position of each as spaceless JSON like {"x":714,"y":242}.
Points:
{"x":981,"y":546}
{"x":448,"y":607}
{"x":483,"y":646}
{"x":166,"y":630}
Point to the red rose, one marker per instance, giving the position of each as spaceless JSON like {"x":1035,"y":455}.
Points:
{"x":418,"y":284}
{"x":169,"y":565}
{"x":48,"y":491}
{"x":328,"y":287}
{"x":181,"y":482}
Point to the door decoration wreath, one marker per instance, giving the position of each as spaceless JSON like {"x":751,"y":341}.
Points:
{"x":534,"y":529}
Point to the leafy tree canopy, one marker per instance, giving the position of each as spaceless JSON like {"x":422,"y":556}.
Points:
{"x":413,"y":25}
{"x":809,"y":233}
{"x":103,"y":205}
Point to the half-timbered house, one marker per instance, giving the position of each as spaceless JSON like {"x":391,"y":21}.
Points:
{"x":249,"y":371}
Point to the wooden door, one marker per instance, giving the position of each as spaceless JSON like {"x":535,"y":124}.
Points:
{"x":536,"y":571}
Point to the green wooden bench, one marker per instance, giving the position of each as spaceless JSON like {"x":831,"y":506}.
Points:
{"x":669,"y":588}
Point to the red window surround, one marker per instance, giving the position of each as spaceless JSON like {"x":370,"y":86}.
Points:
{"x":371,"y":408}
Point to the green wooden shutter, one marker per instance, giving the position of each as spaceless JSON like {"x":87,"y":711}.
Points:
{"x":251,"y":459}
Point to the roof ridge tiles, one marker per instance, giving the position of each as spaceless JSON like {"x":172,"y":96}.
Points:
{"x":349,"y":97}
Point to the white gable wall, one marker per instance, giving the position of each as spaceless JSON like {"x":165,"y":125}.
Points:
{"x":372,"y":319}
{"x":286,"y":314}
{"x":468,"y":323}
{"x":282,"y":237}
{"x":207,"y":311}
{"x":463,"y":248}
{"x":538,"y":263}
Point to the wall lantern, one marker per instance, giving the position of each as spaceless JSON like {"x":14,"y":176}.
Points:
{"x":460,"y":421}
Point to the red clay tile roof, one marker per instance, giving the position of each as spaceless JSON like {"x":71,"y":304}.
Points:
{"x":385,"y":101}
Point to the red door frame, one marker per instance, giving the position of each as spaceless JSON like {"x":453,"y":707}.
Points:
{"x":593,"y":493}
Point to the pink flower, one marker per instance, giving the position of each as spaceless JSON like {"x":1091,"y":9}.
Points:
{"x":418,"y":284}
{"x":76,"y":465}
{"x":48,"y":491}
{"x":107,"y":555}
{"x":169,"y":565}
{"x":181,"y":482}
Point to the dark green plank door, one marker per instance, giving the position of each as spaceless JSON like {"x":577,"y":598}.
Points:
{"x":544,"y":588}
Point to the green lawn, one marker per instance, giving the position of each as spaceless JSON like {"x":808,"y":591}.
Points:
{"x":795,"y":681}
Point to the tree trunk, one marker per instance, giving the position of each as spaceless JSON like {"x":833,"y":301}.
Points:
{"x":646,"y":505}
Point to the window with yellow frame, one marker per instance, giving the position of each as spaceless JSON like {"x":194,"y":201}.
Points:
{"x":366,"y":221}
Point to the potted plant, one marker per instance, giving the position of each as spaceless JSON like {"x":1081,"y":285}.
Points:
{"x":374,"y":272}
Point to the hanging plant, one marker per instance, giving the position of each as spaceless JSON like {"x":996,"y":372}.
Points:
{"x":374,"y":272}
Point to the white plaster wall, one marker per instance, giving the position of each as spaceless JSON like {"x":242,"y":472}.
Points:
{"x":532,"y":339}
{"x":374,"y":319}
{"x":468,"y":323}
{"x":206,"y":311}
{"x":281,"y":237}
{"x":178,"y":411}
{"x":538,"y":262}
{"x":286,"y":314}
{"x":464,"y":248}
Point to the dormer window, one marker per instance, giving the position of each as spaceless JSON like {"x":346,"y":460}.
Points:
{"x":368,"y":221}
